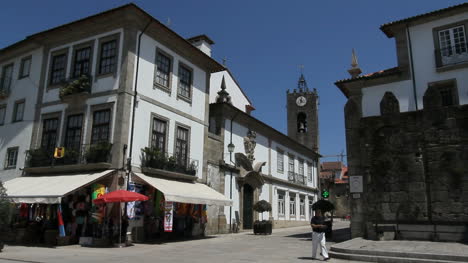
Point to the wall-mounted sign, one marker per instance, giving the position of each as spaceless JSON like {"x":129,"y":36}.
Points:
{"x":355,"y":184}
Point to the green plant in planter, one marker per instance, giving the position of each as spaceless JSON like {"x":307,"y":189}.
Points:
{"x":192,"y":169}
{"x":98,"y":153}
{"x":79,"y":85}
{"x":171,"y":163}
{"x":71,"y":157}
{"x":264,"y":226}
{"x":40,"y":157}
{"x":154,"y":158}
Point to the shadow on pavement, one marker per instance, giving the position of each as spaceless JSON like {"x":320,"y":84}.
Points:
{"x":339,"y":235}
{"x":306,"y":258}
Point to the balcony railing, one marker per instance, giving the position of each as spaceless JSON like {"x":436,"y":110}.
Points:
{"x":86,"y":154}
{"x":152,"y":158}
{"x":5,"y":87}
{"x":455,"y":54}
{"x":296,"y":178}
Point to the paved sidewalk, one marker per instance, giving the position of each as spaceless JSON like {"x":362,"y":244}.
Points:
{"x":403,"y":249}
{"x":284,"y":245}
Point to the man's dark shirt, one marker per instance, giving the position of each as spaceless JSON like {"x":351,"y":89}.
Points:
{"x":318,"y":220}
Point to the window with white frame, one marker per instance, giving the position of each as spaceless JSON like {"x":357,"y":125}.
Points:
{"x":58,"y":68}
{"x":280,"y":203}
{"x":301,"y":167}
{"x":108,"y":57}
{"x":280,"y":161}
{"x":18,"y":111}
{"x":452,"y":41}
{"x":7,"y":78}
{"x":11,"y":157}
{"x":302,"y":206}
{"x":163,"y":70}
{"x":291,"y":163}
{"x":311,"y":203}
{"x":292,"y":205}
{"x":309,"y":172}
{"x":185,"y":82}
{"x":25,"y":67}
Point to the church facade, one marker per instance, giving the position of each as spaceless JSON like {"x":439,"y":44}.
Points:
{"x":249,"y":161}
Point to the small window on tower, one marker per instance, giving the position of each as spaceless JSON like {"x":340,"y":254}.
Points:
{"x":301,"y":123}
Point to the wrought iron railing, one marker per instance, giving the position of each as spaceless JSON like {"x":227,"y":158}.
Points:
{"x":451,"y":55}
{"x":296,"y":178}
{"x":5,"y":87}
{"x":85,"y":154}
{"x":153,"y":158}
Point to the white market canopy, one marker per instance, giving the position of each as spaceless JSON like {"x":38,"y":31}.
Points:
{"x":185,"y":192}
{"x":48,"y":189}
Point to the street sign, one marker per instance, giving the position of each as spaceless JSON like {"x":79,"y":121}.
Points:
{"x":355,"y":184}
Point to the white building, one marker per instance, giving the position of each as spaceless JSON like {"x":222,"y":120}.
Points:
{"x":20,"y":71}
{"x":105,"y":88}
{"x":264,"y":164}
{"x":128,"y":98}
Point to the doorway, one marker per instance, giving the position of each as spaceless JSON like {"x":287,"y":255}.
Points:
{"x":248,"y":207}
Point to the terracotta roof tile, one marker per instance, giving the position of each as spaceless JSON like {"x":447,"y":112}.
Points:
{"x":386,"y":27}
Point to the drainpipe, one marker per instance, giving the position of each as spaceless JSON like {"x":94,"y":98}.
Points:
{"x":132,"y":129}
{"x":230,"y":182}
{"x":412,"y":68}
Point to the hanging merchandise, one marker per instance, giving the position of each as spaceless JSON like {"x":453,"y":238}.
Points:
{"x":98,"y":191}
{"x":135,"y":209}
{"x":98,"y":211}
{"x":60,"y":221}
{"x":159,"y":204}
{"x":204,"y":216}
{"x":168,"y":216}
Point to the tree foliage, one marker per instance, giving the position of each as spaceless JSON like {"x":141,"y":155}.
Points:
{"x":262,"y":206}
{"x":4,"y":207}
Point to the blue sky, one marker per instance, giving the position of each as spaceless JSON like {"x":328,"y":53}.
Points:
{"x":264,"y":43}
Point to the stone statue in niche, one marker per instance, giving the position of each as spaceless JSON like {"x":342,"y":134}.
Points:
{"x":249,"y":145}
{"x":389,"y":104}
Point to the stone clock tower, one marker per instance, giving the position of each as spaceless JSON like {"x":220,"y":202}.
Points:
{"x":302,"y":106}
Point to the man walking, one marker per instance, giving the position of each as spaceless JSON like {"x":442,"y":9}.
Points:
{"x":318,"y":234}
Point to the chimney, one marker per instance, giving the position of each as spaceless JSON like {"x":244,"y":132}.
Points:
{"x":202,"y":42}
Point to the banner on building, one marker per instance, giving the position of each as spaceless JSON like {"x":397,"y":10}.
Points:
{"x":168,"y":214}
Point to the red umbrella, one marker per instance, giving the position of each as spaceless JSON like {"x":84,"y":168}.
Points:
{"x":120,"y":196}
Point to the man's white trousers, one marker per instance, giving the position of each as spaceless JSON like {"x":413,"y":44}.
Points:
{"x":319,"y":238}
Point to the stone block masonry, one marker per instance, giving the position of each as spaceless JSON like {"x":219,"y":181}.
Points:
{"x":415,"y":166}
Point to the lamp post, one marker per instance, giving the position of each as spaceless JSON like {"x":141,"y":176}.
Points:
{"x":231,"y":148}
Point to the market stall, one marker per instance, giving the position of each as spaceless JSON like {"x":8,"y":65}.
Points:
{"x":174,"y":208}
{"x":58,"y":210}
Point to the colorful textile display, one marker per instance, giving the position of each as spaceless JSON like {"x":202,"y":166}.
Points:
{"x":98,"y":191}
{"x":60,"y":221}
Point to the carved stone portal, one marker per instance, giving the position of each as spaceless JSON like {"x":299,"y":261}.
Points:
{"x":249,"y":145}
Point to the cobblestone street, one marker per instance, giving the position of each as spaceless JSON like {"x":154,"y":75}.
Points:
{"x":284,"y":245}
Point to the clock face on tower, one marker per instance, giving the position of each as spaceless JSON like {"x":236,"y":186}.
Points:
{"x":301,"y":101}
